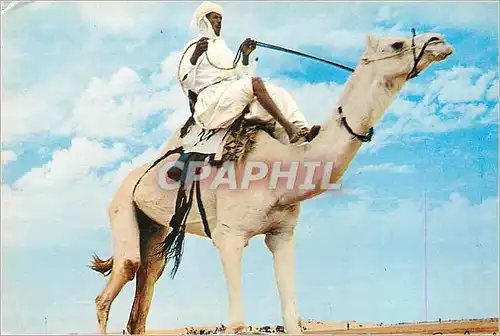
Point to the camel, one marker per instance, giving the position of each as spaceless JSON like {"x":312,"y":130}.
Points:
{"x":140,"y":221}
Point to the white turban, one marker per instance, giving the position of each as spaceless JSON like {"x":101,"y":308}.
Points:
{"x":201,"y":22}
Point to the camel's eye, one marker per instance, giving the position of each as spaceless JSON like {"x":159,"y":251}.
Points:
{"x":397,"y":45}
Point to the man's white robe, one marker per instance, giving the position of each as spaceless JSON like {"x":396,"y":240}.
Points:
{"x":223,"y":94}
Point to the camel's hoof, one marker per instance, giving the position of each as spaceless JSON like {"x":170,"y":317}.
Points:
{"x":237,"y":328}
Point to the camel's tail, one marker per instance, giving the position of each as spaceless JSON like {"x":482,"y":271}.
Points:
{"x":102,"y":266}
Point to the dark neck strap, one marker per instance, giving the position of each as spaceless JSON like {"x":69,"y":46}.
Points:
{"x":363,"y":138}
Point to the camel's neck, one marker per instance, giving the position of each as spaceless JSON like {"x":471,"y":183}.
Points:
{"x":364,"y":100}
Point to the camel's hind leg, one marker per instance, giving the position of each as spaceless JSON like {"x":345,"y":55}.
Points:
{"x":151,"y":269}
{"x":126,"y":257}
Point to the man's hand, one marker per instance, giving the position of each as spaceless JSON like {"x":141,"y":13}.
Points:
{"x":248,"y":46}
{"x":201,"y":47}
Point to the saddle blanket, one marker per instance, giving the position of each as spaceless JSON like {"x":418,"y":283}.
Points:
{"x":199,"y":140}
{"x":227,"y":144}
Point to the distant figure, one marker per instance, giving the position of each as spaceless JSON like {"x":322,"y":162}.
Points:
{"x":348,"y":325}
{"x":439,"y":320}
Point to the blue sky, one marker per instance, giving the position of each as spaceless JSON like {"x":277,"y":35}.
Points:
{"x":89,"y":93}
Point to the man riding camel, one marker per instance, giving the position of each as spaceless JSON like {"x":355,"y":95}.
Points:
{"x":223,"y":90}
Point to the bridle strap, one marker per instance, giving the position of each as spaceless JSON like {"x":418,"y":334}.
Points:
{"x":414,"y":53}
{"x":416,"y":59}
{"x":363,"y":138}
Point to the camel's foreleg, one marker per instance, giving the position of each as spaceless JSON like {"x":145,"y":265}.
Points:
{"x":149,"y":272}
{"x":230,"y":248}
{"x":281,"y":244}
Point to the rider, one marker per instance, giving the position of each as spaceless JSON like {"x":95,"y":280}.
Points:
{"x":223,"y":91}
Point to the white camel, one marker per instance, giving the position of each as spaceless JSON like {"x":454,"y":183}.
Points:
{"x":235,"y":216}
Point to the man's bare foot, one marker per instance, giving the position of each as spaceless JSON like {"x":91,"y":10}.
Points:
{"x":307,"y":134}
{"x":294,"y":133}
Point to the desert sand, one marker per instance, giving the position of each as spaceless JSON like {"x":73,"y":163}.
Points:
{"x":488,"y":326}
{"x":483,"y":326}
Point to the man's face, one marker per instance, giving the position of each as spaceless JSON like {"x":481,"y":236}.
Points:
{"x":215,"y":20}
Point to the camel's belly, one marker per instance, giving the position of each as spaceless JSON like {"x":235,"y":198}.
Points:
{"x":194,"y":224}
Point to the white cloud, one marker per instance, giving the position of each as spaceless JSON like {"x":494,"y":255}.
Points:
{"x":38,"y":109}
{"x":492,"y":93}
{"x":449,"y":217}
{"x":126,"y":167}
{"x":315,"y":100}
{"x":459,"y":84}
{"x":72,"y":164}
{"x":111,"y":107}
{"x":480,"y":17}
{"x":179,"y":106}
{"x":8,"y":157}
{"x":385,"y":13}
{"x":44,"y":215}
{"x":459,"y":214}
{"x":69,"y":194}
{"x":134,"y":19}
{"x":319,"y":25}
{"x":387,"y":167}
{"x":169,"y":68}
{"x":62,"y":197}
{"x":491,"y":117}
{"x":454,"y":99}
{"x":114,"y":107}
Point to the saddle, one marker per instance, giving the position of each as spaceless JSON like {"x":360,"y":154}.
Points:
{"x":237,"y":141}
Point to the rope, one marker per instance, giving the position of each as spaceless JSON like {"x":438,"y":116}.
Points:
{"x":290,"y":51}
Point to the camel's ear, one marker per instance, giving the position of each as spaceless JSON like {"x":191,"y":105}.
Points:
{"x":371,"y":43}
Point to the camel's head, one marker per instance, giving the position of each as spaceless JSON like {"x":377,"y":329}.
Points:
{"x":400,"y":59}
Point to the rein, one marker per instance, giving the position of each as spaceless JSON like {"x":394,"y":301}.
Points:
{"x":294,"y":52}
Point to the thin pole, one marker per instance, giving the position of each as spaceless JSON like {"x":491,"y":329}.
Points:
{"x":426,"y":302}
